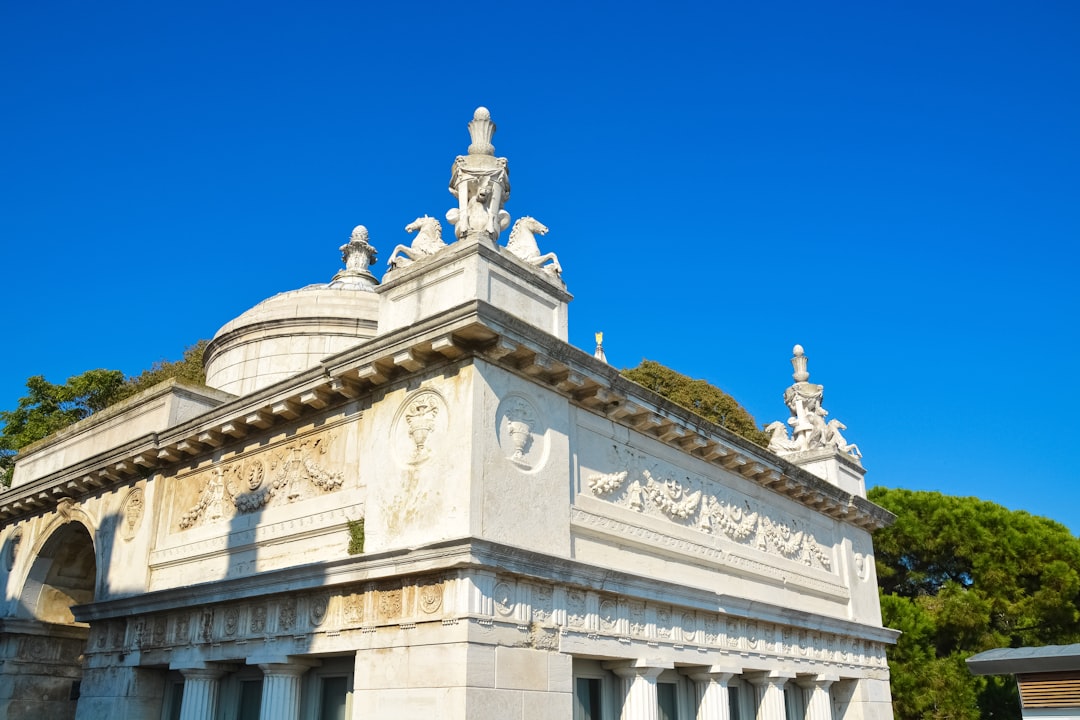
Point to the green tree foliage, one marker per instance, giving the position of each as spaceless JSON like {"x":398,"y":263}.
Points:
{"x":698,"y":396}
{"x":188,"y":369}
{"x":48,"y":407}
{"x":962,"y":575}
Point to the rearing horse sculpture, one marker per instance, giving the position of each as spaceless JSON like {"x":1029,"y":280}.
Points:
{"x":428,"y":241}
{"x":522,"y":243}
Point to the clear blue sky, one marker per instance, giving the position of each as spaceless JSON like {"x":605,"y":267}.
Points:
{"x":893,"y":185}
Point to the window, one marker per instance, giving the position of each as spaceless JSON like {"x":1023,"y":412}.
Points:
{"x":333,"y":697}
{"x":250,"y":699}
{"x":587,"y":703}
{"x":667,"y":699}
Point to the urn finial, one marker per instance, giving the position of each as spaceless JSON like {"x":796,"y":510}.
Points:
{"x":481,"y":130}
{"x":798,"y":361}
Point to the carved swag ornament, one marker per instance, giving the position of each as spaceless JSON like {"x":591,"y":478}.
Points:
{"x":250,"y":484}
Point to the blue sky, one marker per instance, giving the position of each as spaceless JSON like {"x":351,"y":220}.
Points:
{"x":892,"y":185}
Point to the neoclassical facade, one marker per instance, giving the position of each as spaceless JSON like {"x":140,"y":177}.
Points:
{"x":414,"y":499}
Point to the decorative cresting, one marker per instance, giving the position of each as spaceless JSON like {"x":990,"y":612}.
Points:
{"x":481,"y":183}
{"x":522,"y":243}
{"x":420,"y":427}
{"x":522,"y":432}
{"x":809,"y":429}
{"x":279,"y":476}
{"x":358,"y":255}
{"x":695,"y":503}
{"x":428,"y":241}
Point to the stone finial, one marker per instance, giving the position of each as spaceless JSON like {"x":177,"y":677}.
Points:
{"x":358,"y":255}
{"x":599,"y":352}
{"x":798,"y":361}
{"x":481,"y":130}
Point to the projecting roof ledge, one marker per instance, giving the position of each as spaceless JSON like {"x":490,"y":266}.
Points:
{"x":1008,"y":661}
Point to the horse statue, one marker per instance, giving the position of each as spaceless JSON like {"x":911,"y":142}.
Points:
{"x":779,"y":441}
{"x":836,"y":439}
{"x":428,"y":241}
{"x":522,"y":243}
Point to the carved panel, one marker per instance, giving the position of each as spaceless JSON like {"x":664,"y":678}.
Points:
{"x":522,"y":432}
{"x":696,"y":502}
{"x":131,"y":513}
{"x":420,"y":428}
{"x":504,"y":597}
{"x":276,"y":476}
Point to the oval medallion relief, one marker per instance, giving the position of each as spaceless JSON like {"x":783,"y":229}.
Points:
{"x":420,"y":428}
{"x":522,"y":433}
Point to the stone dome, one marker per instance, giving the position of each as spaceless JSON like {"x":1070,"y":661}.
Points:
{"x":288,"y":334}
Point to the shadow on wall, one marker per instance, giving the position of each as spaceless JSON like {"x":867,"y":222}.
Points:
{"x":42,"y":647}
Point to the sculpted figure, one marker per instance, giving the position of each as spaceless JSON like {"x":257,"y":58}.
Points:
{"x":779,"y":442}
{"x":522,"y":243}
{"x":428,"y":241}
{"x":809,"y":429}
{"x":835,"y":438}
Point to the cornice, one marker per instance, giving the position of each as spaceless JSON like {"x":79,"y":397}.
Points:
{"x":473,"y":331}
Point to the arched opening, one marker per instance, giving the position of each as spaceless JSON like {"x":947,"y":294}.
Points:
{"x":63,"y":574}
{"x":46,"y":644}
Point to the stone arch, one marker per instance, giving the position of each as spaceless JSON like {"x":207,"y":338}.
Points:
{"x":63,"y":573}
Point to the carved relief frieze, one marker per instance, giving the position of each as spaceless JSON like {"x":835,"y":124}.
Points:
{"x":504,"y":597}
{"x":431,"y":596}
{"x":231,"y":621}
{"x":389,"y":604}
{"x":287,"y":615}
{"x":317,"y":609}
{"x":258,"y":620}
{"x":695,"y":502}
{"x":280,"y":475}
{"x":543,"y":603}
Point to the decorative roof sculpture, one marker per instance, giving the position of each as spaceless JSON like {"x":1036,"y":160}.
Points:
{"x":358,"y":255}
{"x":809,"y":430}
{"x":481,"y":183}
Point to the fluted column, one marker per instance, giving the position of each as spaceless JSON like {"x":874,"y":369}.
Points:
{"x":818,"y":701}
{"x":770,"y":693}
{"x":201,"y":687}
{"x":639,"y":692}
{"x":712,"y":692}
{"x":281,"y":690}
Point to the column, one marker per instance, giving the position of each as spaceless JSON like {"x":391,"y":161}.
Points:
{"x":639,"y":692}
{"x":712,"y":692}
{"x":818,"y":700}
{"x":201,"y":686}
{"x":281,"y":690}
{"x":770,"y":693}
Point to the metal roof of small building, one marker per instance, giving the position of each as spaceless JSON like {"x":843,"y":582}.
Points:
{"x":1005,"y":661}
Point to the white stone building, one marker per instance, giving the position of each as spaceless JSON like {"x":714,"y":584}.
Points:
{"x":414,"y":499}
